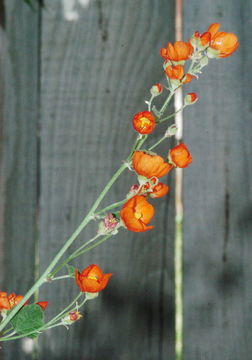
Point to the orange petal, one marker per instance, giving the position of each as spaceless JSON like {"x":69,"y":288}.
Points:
{"x":188,"y":78}
{"x":104,"y":280}
{"x":226,"y":43}
{"x":183,"y":50}
{"x":171,"y":53}
{"x":205,"y":38}
{"x":159,"y":190}
{"x":138,"y":204}
{"x":90,"y":285}
{"x":94,"y":270}
{"x":213,"y":28}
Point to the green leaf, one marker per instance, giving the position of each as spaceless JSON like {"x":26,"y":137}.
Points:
{"x":71,"y":270}
{"x":28,"y":319}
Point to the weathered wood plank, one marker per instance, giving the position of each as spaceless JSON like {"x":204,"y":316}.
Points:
{"x":95,"y":72}
{"x":217,"y":230}
{"x":2,"y":55}
{"x":20,"y":152}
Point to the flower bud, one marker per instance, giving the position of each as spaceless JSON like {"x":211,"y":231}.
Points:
{"x":156,"y":89}
{"x":159,"y":190}
{"x":71,"y":317}
{"x":190,"y":99}
{"x":194,"y":40}
{"x":108,"y":225}
{"x":171,"y":131}
{"x":134,"y":189}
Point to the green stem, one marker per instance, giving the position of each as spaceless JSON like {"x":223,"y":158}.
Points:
{"x":8,"y":330}
{"x":68,"y":243}
{"x":61,"y":277}
{"x":57,"y":317}
{"x":91,"y":247}
{"x":179,"y":288}
{"x":140,"y":140}
{"x":112,"y":206}
{"x":63,"y":314}
{"x":73,"y":255}
{"x":172,"y":115}
{"x":158,"y":142}
{"x":166,"y":103}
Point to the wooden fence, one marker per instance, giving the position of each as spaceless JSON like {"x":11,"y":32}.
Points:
{"x":69,"y":84}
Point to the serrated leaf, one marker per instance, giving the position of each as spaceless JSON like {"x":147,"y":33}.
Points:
{"x":28,"y":319}
{"x":70,"y":270}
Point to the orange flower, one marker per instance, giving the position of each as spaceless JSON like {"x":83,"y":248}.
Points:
{"x":144,"y":122}
{"x":178,"y":52}
{"x":225,"y":43}
{"x":180,"y":156}
{"x":176,"y":72}
{"x":91,"y":279}
{"x":4,"y":301}
{"x":159,"y":190}
{"x":137,"y":213}
{"x":150,"y":165}
{"x":14,"y":299}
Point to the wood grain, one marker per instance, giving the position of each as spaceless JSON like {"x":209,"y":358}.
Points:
{"x":20,"y":152}
{"x":95,"y":74}
{"x":217,"y":229}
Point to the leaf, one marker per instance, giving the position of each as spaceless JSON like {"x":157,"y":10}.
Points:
{"x":28,"y":319}
{"x":71,"y":270}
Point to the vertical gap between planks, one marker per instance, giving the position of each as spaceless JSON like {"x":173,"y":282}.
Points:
{"x":38,"y":9}
{"x":178,"y":256}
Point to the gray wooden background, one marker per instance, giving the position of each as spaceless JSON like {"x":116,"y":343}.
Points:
{"x":69,"y":84}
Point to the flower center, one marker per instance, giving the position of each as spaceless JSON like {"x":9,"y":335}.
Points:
{"x":144,"y":122}
{"x":137,"y":215}
{"x":93,"y":277}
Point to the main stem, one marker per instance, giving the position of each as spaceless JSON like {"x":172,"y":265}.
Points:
{"x":84,"y":222}
{"x":140,"y":140}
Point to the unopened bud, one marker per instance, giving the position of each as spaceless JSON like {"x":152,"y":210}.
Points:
{"x":156,"y":89}
{"x":108,"y":224}
{"x":190,"y":99}
{"x":134,"y":189}
{"x":194,"y":40}
{"x":171,"y":131}
{"x":71,"y":317}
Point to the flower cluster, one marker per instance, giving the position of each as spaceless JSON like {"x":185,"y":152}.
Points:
{"x":219,"y":44}
{"x":137,"y":212}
